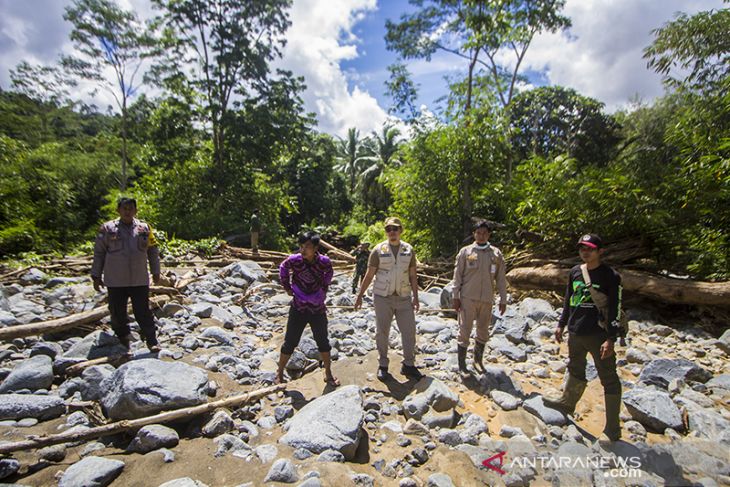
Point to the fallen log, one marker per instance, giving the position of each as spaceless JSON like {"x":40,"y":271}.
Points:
{"x":338,"y":252}
{"x":652,"y":286}
{"x":126,"y":425}
{"x":65,"y":323}
{"x":115,"y":360}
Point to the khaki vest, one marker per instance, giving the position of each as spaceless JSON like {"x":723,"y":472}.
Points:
{"x":392,"y":276}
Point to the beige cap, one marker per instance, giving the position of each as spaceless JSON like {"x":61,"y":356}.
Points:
{"x":393,"y":222}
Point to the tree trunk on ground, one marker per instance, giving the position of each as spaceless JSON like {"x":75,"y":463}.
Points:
{"x":132,"y":424}
{"x":652,"y":286}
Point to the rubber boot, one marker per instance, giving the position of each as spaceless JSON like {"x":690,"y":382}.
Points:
{"x":462,"y":359}
{"x":571,"y":395}
{"x":478,"y":356}
{"x":612,"y":431}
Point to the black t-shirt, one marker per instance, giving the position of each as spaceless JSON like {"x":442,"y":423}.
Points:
{"x":580,"y":314}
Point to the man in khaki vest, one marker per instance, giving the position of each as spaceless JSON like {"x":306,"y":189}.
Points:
{"x":478,"y":266}
{"x":393,"y":265}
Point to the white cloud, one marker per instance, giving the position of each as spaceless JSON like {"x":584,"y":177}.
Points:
{"x":319,"y":39}
{"x":602,"y":53}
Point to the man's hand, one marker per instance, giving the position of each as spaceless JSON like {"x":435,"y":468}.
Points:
{"x":98,"y":285}
{"x":416,"y":304}
{"x":607,"y":349}
{"x":502,"y":308}
{"x":358,"y":302}
{"x":156,"y":279}
{"x":290,"y":292}
{"x":558,"y":334}
{"x":457,"y":304}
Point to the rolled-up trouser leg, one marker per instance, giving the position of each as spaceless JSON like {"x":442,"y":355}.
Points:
{"x":118,"y":310}
{"x":383,"y":316}
{"x":406,"y":320}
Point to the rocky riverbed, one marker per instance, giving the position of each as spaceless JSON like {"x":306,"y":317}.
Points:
{"x":435,"y":432}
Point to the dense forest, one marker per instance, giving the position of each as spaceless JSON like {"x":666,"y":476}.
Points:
{"x":226,"y":133}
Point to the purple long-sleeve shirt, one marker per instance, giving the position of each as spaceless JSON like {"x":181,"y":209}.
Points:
{"x":308,"y":281}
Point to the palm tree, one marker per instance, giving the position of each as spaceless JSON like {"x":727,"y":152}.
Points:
{"x":350,"y":156}
{"x":383,"y":148}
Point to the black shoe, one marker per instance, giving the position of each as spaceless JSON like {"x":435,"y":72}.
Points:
{"x":383,"y":374}
{"x":412,"y":372}
{"x":126,"y":341}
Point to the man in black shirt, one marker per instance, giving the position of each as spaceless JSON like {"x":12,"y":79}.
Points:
{"x":589,"y":331}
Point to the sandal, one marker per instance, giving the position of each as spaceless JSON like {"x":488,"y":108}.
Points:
{"x":279,"y":379}
{"x":332,"y":381}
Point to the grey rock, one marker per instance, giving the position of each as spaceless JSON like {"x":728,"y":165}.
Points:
{"x":302,"y":454}
{"x":439,"y":480}
{"x":653,"y":408}
{"x":230,"y":443}
{"x":248,"y":270}
{"x":504,"y":400}
{"x":282,"y":413}
{"x":282,"y":471}
{"x":636,"y":356}
{"x":183,"y":482}
{"x":438,"y":420}
{"x":54,"y":453}
{"x":168,"y":456}
{"x":311,"y":482}
{"x":92,"y":447}
{"x":407,"y":482}
{"x":201,"y":310}
{"x":32,"y":374}
{"x":724,"y":341}
{"x":363,"y":479}
{"x":266,"y":453}
{"x":504,"y":347}
{"x":537,"y":309}
{"x":8,"y":319}
{"x":91,"y":472}
{"x":153,"y":437}
{"x":50,"y":349}
{"x":721,"y":381}
{"x":33,"y":276}
{"x":414,"y":427}
{"x":449,"y":437}
{"x":144,"y":387}
{"x":331,"y":456}
{"x":65,"y":281}
{"x":297,"y":361}
{"x":495,"y":377}
{"x":431,"y":326}
{"x":218,"y":334}
{"x":549,"y":416}
{"x":661,"y":371}
{"x":8,"y":467}
{"x":220,"y":423}
{"x":94,"y":377}
{"x":434,"y":393}
{"x":95,"y":345}
{"x":42,"y":407}
{"x":266,"y":422}
{"x":332,"y":421}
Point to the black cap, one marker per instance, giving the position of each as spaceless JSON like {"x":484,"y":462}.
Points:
{"x":591,"y":240}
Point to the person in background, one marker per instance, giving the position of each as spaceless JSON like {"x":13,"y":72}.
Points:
{"x":479,"y":266}
{"x":255,"y":228}
{"x":123,"y":249}
{"x":306,"y":276}
{"x":361,"y":254}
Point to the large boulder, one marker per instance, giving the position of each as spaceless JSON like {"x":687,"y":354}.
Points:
{"x":93,"y":387}
{"x":330,"y":422}
{"x":18,"y":406}
{"x":660,"y":372}
{"x":96,"y":345}
{"x":245,"y":269}
{"x":144,"y":387}
{"x":537,"y":309}
{"x":550,"y":416}
{"x":91,"y":472}
{"x":153,"y":437}
{"x":653,"y":408}
{"x":32,"y":374}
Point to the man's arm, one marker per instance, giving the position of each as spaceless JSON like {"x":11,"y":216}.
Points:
{"x":364,"y":286}
{"x":153,"y":255}
{"x":502,"y":283}
{"x":413,"y":277}
{"x":99,"y":256}
{"x":328,"y":274}
{"x":284,"y":276}
{"x":614,"y":305}
{"x":458,"y":276}
{"x":565,"y":315}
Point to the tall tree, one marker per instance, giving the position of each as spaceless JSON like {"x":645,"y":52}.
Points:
{"x":220,"y":48}
{"x":351,"y":156}
{"x":474,"y":30}
{"x":384,"y":148}
{"x":107,"y":36}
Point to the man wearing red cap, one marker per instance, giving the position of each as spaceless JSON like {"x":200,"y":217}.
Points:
{"x":594,"y":290}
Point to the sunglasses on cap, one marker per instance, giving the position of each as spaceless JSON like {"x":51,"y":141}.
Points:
{"x":391,"y":229}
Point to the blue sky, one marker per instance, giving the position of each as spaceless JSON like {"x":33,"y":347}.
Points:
{"x":339,"y":47}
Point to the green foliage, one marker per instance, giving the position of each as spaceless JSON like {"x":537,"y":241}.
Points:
{"x":175,"y":247}
{"x":20,"y":236}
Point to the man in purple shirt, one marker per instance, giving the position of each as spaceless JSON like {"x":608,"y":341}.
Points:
{"x":306,"y":276}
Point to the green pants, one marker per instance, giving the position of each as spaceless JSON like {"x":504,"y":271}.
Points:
{"x":579,"y":346}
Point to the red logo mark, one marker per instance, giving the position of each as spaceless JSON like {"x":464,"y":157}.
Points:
{"x":499,"y":456}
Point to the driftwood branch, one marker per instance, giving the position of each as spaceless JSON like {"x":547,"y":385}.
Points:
{"x":652,"y":286}
{"x":339,"y":253}
{"x":65,"y":323}
{"x":126,"y":425}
